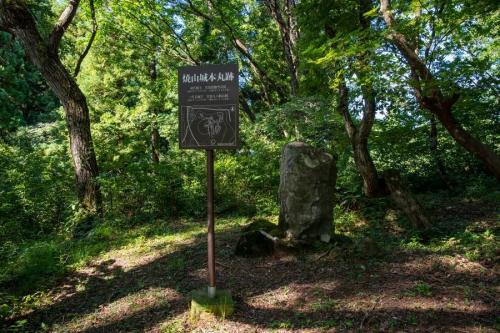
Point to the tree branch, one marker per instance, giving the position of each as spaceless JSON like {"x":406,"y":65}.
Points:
{"x":246,"y":108}
{"x":91,"y":40}
{"x":403,"y":45}
{"x":62,"y":24}
{"x":196,"y":11}
{"x":175,"y":34}
{"x":343,"y":109}
{"x":368,"y":113}
{"x":289,"y":37}
{"x":240,"y":46}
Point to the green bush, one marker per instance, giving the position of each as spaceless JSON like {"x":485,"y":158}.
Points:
{"x":36,"y":263}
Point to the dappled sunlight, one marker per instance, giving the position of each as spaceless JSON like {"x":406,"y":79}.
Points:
{"x":271,"y":166}
{"x":121,"y":309}
{"x":145,"y":286}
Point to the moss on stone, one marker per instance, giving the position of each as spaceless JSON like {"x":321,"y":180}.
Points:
{"x":221,"y":305}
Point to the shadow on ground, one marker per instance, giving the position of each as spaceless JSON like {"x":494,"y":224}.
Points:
{"x":307,"y":291}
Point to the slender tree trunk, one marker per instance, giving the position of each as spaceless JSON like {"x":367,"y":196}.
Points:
{"x":16,"y":19}
{"x":155,"y":134}
{"x":155,"y":140}
{"x":433,"y":138}
{"x":268,"y":85}
{"x":287,"y":24}
{"x":373,"y":185}
{"x":466,"y":140}
{"x":246,"y":108}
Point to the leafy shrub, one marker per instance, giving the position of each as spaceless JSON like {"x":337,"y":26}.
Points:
{"x":37,"y":262}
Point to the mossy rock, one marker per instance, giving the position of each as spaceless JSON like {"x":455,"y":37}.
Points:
{"x":221,"y":305}
{"x":253,"y":244}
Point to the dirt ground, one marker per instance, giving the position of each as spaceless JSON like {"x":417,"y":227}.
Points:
{"x":146,"y":289}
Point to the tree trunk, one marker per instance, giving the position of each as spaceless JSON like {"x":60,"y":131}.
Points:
{"x":434,"y":99}
{"x":155,"y":134}
{"x":268,"y":85}
{"x":246,"y":108}
{"x":17,"y":20}
{"x":82,"y":150}
{"x":373,"y":186}
{"x":78,"y":123}
{"x":405,"y":200}
{"x":155,"y":140}
{"x":466,"y":140}
{"x":287,"y":25}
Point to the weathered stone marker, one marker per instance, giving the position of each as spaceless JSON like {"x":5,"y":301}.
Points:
{"x":307,"y":185}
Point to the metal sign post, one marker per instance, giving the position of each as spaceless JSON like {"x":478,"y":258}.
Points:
{"x":211,"y":223}
{"x":209,"y":120}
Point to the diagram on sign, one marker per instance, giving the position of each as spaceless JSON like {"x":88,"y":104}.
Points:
{"x":210,"y":125}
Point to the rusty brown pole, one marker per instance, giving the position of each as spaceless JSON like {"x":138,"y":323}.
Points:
{"x":211,"y":223}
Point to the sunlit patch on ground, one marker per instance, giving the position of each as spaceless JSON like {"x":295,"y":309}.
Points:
{"x":121,"y":308}
{"x":144,"y":286}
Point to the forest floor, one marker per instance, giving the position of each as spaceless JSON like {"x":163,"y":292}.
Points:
{"x":444,"y":285}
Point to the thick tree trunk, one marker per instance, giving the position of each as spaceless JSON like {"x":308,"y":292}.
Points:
{"x":78,"y":123}
{"x":17,"y":20}
{"x":82,"y":150}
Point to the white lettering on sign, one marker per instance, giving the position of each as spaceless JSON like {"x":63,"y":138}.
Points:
{"x":208,"y":77}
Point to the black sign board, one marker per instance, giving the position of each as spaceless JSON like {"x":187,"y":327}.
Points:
{"x":208,"y":107}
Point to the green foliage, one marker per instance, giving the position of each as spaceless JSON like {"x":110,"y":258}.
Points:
{"x":39,"y":260}
{"x":325,"y":304}
{"x":419,"y":289}
{"x":24,"y":96}
{"x":36,"y":185}
{"x":43,"y":231}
